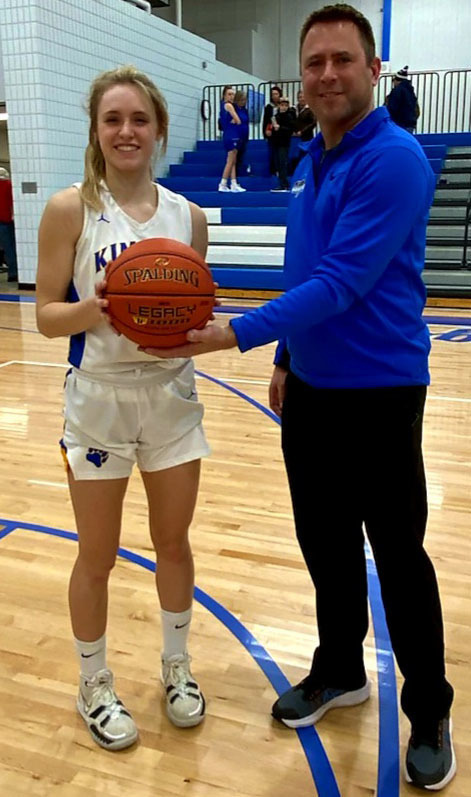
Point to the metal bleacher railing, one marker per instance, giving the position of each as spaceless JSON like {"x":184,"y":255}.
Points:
{"x":444,"y":98}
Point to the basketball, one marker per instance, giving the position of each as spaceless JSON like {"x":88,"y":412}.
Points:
{"x":157,"y":290}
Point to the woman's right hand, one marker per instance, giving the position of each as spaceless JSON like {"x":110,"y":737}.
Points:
{"x":276,"y":391}
{"x":96,"y":307}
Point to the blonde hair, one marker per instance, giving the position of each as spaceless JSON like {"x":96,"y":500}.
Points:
{"x":240,"y":95}
{"x":94,"y":160}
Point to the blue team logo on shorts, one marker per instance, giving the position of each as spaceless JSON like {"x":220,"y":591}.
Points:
{"x":97,"y":457}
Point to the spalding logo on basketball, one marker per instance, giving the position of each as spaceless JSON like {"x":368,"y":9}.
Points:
{"x":157,"y":290}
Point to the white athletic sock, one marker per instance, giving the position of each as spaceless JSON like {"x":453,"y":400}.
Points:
{"x":223,"y":181}
{"x":91,"y":655}
{"x":175,"y":630}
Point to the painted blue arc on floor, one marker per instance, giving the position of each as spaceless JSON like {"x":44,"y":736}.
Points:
{"x":324,"y":778}
{"x":388,"y":778}
{"x":319,"y":764}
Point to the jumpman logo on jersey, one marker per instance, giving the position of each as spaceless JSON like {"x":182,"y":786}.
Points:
{"x":102,"y":218}
{"x":97,"y":457}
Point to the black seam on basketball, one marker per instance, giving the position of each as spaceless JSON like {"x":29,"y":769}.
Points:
{"x":154,"y":295}
{"x":160,"y":254}
{"x":159,"y":332}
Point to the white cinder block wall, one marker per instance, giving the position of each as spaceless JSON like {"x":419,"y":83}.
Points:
{"x":52,"y":49}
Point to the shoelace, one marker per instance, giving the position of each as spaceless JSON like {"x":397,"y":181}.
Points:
{"x":106,"y":695}
{"x":178,"y":676}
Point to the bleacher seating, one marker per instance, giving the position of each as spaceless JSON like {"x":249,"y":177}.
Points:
{"x":247,"y":230}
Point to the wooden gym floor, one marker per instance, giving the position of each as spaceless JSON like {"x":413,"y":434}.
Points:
{"x":254,"y":615}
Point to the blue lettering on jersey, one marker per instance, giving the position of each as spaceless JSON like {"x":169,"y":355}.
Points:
{"x":110,"y":252}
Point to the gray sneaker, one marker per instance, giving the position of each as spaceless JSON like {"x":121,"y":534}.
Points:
{"x":430,"y":758}
{"x":109,"y":722}
{"x":304,"y":704}
{"x":185,"y":702}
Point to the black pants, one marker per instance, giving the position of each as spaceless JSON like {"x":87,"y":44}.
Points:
{"x":281,"y":163}
{"x":354,"y":459}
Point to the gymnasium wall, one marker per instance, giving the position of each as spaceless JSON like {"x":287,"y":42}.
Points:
{"x":431,"y":34}
{"x":426,"y":34}
{"x":51,"y":52}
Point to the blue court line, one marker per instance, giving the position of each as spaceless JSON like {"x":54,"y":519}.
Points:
{"x":388,"y":782}
{"x":388,"y":743}
{"x":319,"y":764}
{"x":13,"y":297}
{"x":239,"y":393}
{"x":8,"y":528}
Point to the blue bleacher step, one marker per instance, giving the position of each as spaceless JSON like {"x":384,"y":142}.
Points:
{"x":248,"y":278}
{"x":211,"y":183}
{"x":253,"y":144}
{"x":218,"y":199}
{"x":253,"y":216}
{"x":214,"y":169}
{"x":219,"y":157}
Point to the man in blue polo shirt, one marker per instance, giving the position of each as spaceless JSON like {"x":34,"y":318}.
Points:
{"x":350,"y":385}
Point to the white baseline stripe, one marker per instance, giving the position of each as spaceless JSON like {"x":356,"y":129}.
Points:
{"x":34,"y":362}
{"x":47,"y":484}
{"x":449,"y":398}
{"x":236,"y":380}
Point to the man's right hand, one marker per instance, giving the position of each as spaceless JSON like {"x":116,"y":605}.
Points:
{"x":276,"y":391}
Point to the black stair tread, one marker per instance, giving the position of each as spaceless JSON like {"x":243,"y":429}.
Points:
{"x":443,"y":265}
{"x":445,"y":241}
{"x":441,"y":202}
{"x":446,"y":221}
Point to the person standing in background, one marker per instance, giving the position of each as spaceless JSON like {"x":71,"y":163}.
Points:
{"x":303,"y":131}
{"x":267,"y":124}
{"x":230,"y":124}
{"x":283,"y":125}
{"x":402,"y":103}
{"x":240,"y":105}
{"x":7,"y":225}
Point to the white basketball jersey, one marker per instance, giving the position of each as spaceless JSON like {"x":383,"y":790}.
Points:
{"x":104,"y":236}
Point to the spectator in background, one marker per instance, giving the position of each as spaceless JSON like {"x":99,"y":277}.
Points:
{"x":283,"y":123}
{"x":402,"y":102}
{"x":231,"y":125}
{"x":303,"y":131}
{"x":240,"y":104}
{"x":267,"y":123}
{"x":7,"y":225}
{"x":305,"y":119}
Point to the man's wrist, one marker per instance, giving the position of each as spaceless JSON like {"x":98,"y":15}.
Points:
{"x":230,"y":337}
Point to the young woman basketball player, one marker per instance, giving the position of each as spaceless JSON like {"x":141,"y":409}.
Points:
{"x":233,"y":139}
{"x":121,"y":406}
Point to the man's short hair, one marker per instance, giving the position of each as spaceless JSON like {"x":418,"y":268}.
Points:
{"x":342,"y":12}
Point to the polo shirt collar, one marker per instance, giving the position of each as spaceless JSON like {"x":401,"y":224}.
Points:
{"x":362,"y":130}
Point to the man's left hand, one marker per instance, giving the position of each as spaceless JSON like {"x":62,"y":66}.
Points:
{"x":200,"y":341}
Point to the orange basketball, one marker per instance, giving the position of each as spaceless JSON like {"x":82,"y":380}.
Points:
{"x":157,"y":290}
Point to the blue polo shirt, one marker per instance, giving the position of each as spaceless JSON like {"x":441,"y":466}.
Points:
{"x":352,"y":312}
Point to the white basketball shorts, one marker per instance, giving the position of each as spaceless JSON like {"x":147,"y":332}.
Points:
{"x":153,"y":420}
